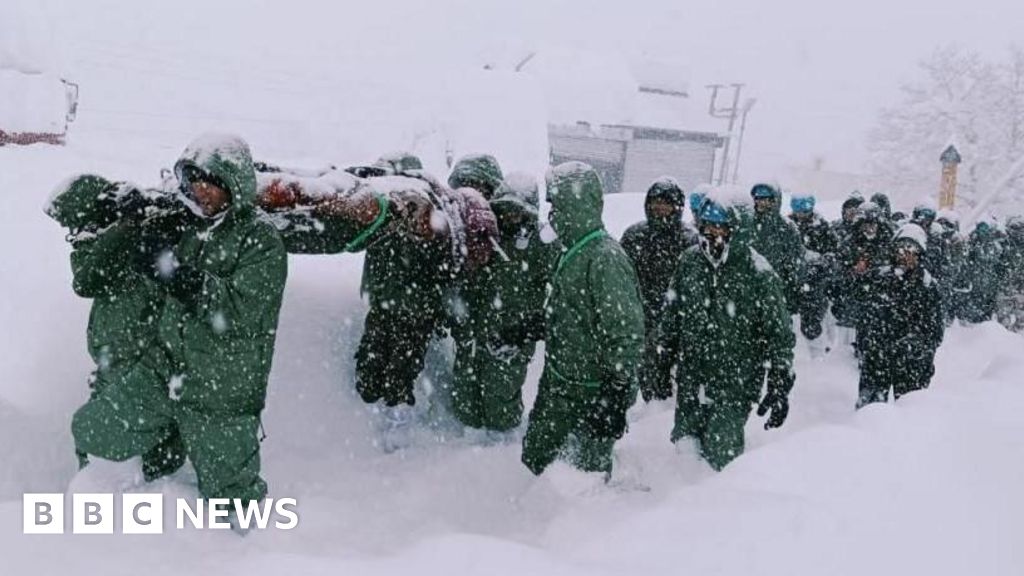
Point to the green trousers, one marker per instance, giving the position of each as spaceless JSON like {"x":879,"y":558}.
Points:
{"x":136,"y":417}
{"x":390,"y":355}
{"x":717,"y":427}
{"x":164,"y":459}
{"x":556,"y":429}
{"x":488,"y":388}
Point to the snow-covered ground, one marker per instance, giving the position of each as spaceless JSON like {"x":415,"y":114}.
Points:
{"x":929,"y":485}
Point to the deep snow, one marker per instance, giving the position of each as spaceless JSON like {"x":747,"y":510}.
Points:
{"x":929,"y":485}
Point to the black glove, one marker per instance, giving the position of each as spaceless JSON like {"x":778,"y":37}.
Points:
{"x":501,"y":350}
{"x":776,"y":402}
{"x":530,"y":329}
{"x":811,"y":330}
{"x":186,"y":285}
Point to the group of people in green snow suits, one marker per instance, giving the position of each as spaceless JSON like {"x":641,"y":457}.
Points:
{"x":186,"y":283}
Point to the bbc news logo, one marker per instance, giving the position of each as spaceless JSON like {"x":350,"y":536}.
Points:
{"x":144,"y":514}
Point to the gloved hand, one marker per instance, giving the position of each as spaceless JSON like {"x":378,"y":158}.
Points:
{"x":499,"y":349}
{"x":530,"y":329}
{"x":778,"y":404}
{"x":131,"y":201}
{"x":178,"y":272}
{"x":810,"y":330}
{"x":186,"y":285}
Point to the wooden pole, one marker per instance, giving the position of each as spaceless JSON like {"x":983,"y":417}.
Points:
{"x":950,"y":159}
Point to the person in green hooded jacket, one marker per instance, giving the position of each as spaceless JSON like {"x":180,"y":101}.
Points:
{"x":480,"y":172}
{"x":726,"y":331}
{"x":113,"y":227}
{"x":408,"y":278}
{"x":655,"y":246}
{"x":493,"y":347}
{"x":594,"y":339}
{"x":207,"y":379}
{"x":1010,"y":302}
{"x":981,"y":267}
{"x":778,"y":240}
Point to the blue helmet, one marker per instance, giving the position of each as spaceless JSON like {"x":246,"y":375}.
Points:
{"x":696,"y":199}
{"x":763,"y":191}
{"x":802,"y":204}
{"x":922,"y":212}
{"x":711,"y":212}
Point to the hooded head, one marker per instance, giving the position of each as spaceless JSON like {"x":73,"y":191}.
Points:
{"x":665,"y":202}
{"x":802,"y":206}
{"x":480,"y":172}
{"x":398,"y":162}
{"x":850,"y":206}
{"x":908,"y":246}
{"x":717,"y":231}
{"x":984,"y":230}
{"x":577,"y":201}
{"x":867,"y":220}
{"x":1015,"y":229}
{"x":767,"y":199}
{"x":923,"y":216}
{"x":86,"y":203}
{"x":516,"y":203}
{"x":221,"y":161}
{"x":882,"y":201}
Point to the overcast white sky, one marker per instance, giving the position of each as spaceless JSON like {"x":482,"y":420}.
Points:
{"x":820,"y":70}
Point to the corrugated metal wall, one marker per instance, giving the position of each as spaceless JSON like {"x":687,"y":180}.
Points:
{"x":629,"y":159}
{"x":690,"y":163}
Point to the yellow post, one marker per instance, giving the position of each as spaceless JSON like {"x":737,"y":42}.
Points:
{"x":950,"y":159}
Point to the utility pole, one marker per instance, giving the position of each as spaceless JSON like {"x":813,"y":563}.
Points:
{"x":729,"y":113}
{"x":747,"y":105}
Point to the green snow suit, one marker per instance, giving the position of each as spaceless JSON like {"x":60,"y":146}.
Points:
{"x":595,"y":334}
{"x":207,"y":378}
{"x":493,"y":347}
{"x":726,"y":331}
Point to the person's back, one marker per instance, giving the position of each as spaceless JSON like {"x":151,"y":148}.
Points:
{"x":1010,"y":302}
{"x":494,"y":329}
{"x":982,"y":269}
